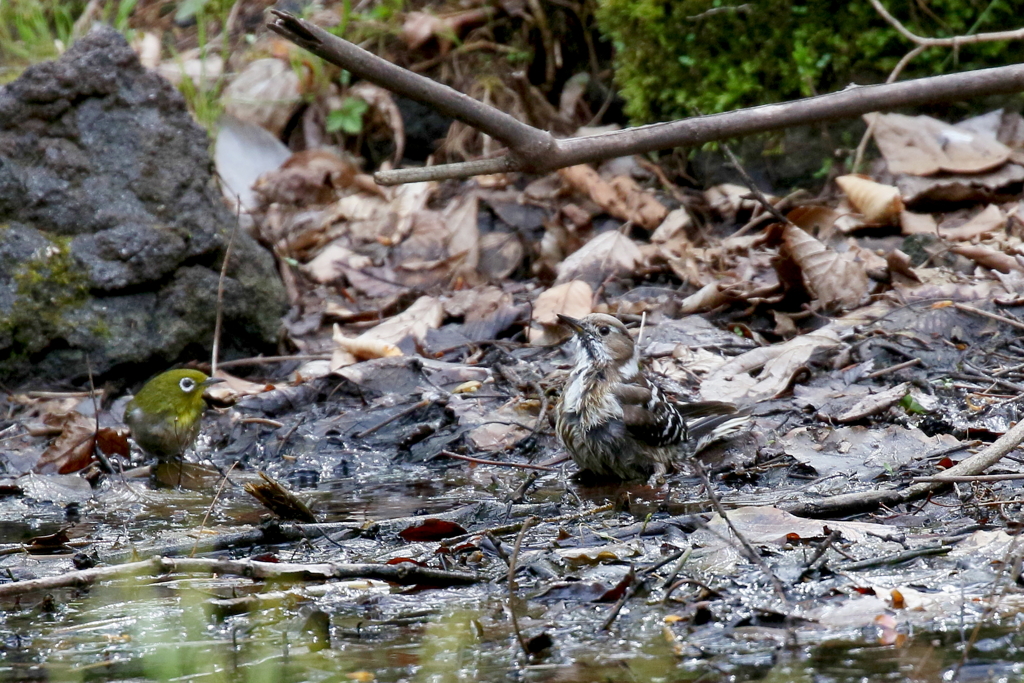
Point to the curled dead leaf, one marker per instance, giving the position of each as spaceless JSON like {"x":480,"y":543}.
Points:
{"x":990,"y":258}
{"x":266,"y":93}
{"x":878,"y":203}
{"x":989,"y":220}
{"x":574,"y":299}
{"x":837,"y":282}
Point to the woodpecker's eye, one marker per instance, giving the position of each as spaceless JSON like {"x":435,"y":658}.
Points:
{"x":187,"y":384}
{"x":604,"y":330}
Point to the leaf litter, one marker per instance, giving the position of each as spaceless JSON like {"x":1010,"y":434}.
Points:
{"x":431,"y":310}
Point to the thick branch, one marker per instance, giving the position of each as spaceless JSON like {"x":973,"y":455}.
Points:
{"x":531,"y":149}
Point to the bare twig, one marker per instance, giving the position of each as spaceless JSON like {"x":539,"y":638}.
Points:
{"x":512,"y":564}
{"x":397,"y":416}
{"x":748,"y":549}
{"x":966,"y":308}
{"x":534,"y":150}
{"x":892,"y":368}
{"x":898,"y":558}
{"x":921,"y":44}
{"x":206,"y":517}
{"x":971,"y":478}
{"x":220,"y":299}
{"x":479,"y":461}
{"x":863,"y":501}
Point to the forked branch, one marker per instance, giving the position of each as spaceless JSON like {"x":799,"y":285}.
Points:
{"x":533,"y":150}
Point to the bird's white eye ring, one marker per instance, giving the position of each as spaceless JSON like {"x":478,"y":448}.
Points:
{"x":187,"y":384}
{"x":604,"y":330}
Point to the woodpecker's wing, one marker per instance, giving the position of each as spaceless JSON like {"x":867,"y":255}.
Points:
{"x":654,"y":419}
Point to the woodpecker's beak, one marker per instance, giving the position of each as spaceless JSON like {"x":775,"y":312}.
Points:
{"x":212,"y":380}
{"x":572,"y":323}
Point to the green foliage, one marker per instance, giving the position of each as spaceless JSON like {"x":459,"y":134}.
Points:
{"x":675,"y":58}
{"x":34,"y":30}
{"x":347,"y":118}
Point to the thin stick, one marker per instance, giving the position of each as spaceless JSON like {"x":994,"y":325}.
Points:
{"x":975,"y":477}
{"x":220,"y":297}
{"x":892,"y":368}
{"x":479,"y":461}
{"x":994,"y":316}
{"x":752,"y":554}
{"x":202,"y":525}
{"x":397,"y":416}
{"x":512,"y":583}
{"x":263,"y":360}
{"x":96,"y":450}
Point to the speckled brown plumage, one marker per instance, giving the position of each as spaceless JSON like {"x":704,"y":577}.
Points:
{"x":615,"y":422}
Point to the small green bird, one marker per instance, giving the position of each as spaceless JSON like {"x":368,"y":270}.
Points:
{"x":164,"y":417}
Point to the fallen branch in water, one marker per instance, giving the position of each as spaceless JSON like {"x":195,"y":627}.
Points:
{"x":251,"y":569}
{"x":866,"y":501}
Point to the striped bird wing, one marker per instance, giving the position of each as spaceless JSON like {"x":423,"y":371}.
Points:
{"x":654,"y":419}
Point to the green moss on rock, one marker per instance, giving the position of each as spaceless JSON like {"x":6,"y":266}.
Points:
{"x":48,"y":287}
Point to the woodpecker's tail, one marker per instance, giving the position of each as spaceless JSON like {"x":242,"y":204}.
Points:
{"x":708,"y":430}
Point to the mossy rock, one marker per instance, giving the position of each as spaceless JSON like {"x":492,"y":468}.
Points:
{"x":112,"y":231}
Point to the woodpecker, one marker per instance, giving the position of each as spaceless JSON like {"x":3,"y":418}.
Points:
{"x":615,"y":422}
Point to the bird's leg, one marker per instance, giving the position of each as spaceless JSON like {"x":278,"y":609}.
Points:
{"x":657,"y":479}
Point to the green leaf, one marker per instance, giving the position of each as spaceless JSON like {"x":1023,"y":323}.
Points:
{"x":347,"y":118}
{"x":910,"y":404}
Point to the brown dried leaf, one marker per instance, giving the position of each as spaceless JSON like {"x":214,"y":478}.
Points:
{"x":779,"y":365}
{"x":72,"y":450}
{"x":879,"y":204}
{"x":621,"y":197}
{"x":918,"y":224}
{"x":234,"y":388}
{"x":309,"y":177}
{"x":960,"y":188}
{"x":574,"y":299}
{"x":990,"y":258}
{"x":875,"y":403}
{"x":674,"y":226}
{"x":500,"y":255}
{"x":989,"y":220}
{"x":921,"y":145}
{"x":350,"y":350}
{"x":899,"y":262}
{"x":334,"y":262}
{"x":816,"y":220}
{"x":610,"y":253}
{"x":836,"y":282}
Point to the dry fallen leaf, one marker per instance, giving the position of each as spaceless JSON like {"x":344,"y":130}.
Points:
{"x":990,"y":258}
{"x":383,"y":102}
{"x":779,"y":365}
{"x":921,"y":145}
{"x":312,"y":176}
{"x":334,"y":262}
{"x":879,"y":204}
{"x":72,"y":450}
{"x":621,"y":197}
{"x":349,"y":350}
{"x":837,"y":282}
{"x":610,"y":253}
{"x":574,"y":299}
{"x":918,"y":223}
{"x":989,"y":220}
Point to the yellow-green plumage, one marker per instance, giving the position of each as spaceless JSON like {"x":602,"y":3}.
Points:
{"x":164,"y":417}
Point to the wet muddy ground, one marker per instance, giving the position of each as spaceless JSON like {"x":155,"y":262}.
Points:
{"x":612,"y":582}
